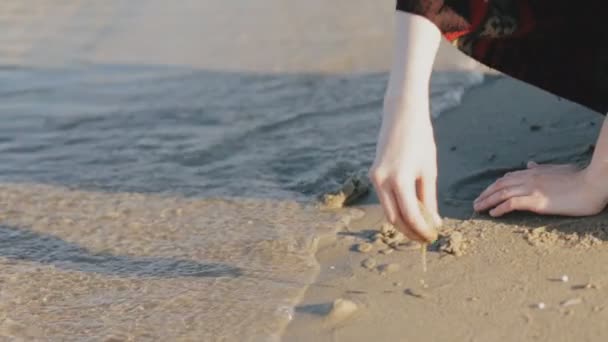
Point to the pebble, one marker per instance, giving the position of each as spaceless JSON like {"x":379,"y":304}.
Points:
{"x":341,"y":309}
{"x":369,"y":263}
{"x":364,"y":247}
{"x":541,"y":306}
{"x":386,"y":251}
{"x":564,"y":278}
{"x":387,"y":229}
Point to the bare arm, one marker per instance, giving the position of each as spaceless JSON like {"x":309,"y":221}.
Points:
{"x":415,"y":46}
{"x":405,"y":167}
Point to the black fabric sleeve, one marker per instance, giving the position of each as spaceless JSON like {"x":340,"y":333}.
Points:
{"x":448,"y":16}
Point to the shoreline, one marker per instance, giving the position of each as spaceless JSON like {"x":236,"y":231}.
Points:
{"x":510,"y":265}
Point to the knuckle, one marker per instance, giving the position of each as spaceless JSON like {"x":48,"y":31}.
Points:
{"x":375,"y":175}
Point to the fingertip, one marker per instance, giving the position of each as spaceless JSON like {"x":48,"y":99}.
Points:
{"x":438,"y":220}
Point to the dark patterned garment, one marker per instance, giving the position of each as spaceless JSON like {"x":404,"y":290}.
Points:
{"x":560,"y":46}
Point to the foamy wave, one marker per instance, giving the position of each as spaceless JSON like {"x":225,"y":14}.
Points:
{"x":448,"y":88}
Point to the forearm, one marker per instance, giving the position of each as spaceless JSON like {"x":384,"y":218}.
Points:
{"x":416,"y":42}
{"x":599,"y":162}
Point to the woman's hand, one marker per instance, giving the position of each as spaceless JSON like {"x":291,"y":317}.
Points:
{"x":546,"y":189}
{"x":405,"y":168}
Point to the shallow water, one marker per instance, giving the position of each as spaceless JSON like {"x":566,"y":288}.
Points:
{"x":90,"y":266}
{"x":153,"y":129}
{"x":164,"y":202}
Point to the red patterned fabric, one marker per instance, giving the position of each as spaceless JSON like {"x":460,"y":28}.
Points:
{"x":551,"y":44}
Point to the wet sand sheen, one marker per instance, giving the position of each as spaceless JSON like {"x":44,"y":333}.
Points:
{"x":82,"y":264}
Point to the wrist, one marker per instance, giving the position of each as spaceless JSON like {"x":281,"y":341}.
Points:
{"x":596,"y":175}
{"x":410,"y":106}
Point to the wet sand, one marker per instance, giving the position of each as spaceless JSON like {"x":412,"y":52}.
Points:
{"x":82,"y":265}
{"x":507,"y":282}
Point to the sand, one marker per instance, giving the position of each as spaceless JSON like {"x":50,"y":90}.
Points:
{"x":520,"y":278}
{"x":495,"y":280}
{"x":89,"y":265}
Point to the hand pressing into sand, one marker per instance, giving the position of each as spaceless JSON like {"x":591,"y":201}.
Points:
{"x":552,"y":189}
{"x":405,"y":168}
{"x":545,"y":189}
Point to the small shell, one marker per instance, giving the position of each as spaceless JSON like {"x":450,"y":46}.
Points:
{"x":571,"y":302}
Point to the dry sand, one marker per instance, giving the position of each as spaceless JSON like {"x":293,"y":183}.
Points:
{"x":488,"y":280}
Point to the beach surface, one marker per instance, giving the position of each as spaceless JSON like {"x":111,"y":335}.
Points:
{"x":519,"y":278}
{"x":160,"y":169}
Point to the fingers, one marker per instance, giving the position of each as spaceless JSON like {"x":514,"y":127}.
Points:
{"x":426,"y":189}
{"x":401,"y":205}
{"x":528,"y":203}
{"x":385,"y":195}
{"x":504,"y":182}
{"x":500,"y":196}
{"x":414,"y":222}
{"x":551,"y":167}
{"x":384,"y":189}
